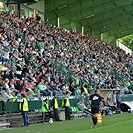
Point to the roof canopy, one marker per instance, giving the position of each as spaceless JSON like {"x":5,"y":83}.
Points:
{"x":111,"y":17}
{"x":114,"y":17}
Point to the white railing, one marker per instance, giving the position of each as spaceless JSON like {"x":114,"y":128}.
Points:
{"x":123,"y":47}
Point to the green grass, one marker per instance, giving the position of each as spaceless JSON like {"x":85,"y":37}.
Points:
{"x":119,"y":123}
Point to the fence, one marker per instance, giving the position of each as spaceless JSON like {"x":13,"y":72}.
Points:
{"x":33,"y":105}
{"x":127,"y":97}
{"x":62,"y":70}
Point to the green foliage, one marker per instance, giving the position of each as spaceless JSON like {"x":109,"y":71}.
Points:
{"x":127,"y":41}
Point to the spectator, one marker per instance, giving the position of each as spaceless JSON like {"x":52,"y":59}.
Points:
{"x":43,"y":88}
{"x":84,"y":89}
{"x":77,"y":91}
{"x":6,"y":94}
{"x":111,"y":105}
{"x":72,"y":88}
{"x":36,"y":93}
{"x":6,"y":84}
{"x":118,"y":99}
{"x":103,"y":108}
{"x":83,"y":107}
{"x":19,"y":85}
{"x":114,"y":97}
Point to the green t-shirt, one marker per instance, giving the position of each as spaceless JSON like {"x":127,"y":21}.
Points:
{"x":76,"y":82}
{"x":77,"y":92}
{"x":40,"y":45}
{"x":40,"y":87}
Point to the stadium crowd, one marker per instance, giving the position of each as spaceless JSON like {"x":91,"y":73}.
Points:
{"x":29,"y":50}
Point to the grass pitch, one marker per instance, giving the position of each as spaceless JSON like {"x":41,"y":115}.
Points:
{"x":117,"y":123}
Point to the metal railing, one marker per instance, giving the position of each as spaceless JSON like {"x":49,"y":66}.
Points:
{"x":62,"y":70}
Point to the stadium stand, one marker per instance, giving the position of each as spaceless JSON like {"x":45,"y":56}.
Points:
{"x":24,"y":52}
{"x":39,"y":60}
{"x":29,"y":53}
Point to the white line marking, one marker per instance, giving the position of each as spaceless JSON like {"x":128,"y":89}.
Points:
{"x":104,"y":126}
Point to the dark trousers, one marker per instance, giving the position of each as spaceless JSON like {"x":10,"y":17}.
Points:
{"x":94,"y":110}
{"x":56,"y":115}
{"x":112,"y":108}
{"x":67,"y":113}
{"x":118,"y":104}
{"x":25,"y":118}
{"x":45,"y":92}
{"x":44,"y":116}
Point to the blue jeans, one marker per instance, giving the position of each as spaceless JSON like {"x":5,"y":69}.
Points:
{"x":2,"y":59}
{"x":46,"y":92}
{"x":25,"y":118}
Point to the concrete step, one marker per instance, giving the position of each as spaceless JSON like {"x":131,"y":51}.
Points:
{"x":4,"y":125}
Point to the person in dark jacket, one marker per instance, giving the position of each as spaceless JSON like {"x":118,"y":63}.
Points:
{"x":94,"y":101}
{"x":54,"y":105}
{"x":66,"y":105}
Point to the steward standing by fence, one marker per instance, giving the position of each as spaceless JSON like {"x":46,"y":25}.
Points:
{"x":66,"y":105}
{"x":45,"y":109}
{"x":23,"y":107}
{"x":54,"y":105}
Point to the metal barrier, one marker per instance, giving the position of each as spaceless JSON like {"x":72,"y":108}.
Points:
{"x":62,"y":70}
{"x":127,"y":97}
{"x":14,"y":106}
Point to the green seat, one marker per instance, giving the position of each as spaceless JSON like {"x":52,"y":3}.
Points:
{"x":73,"y":109}
{"x":78,"y":111}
